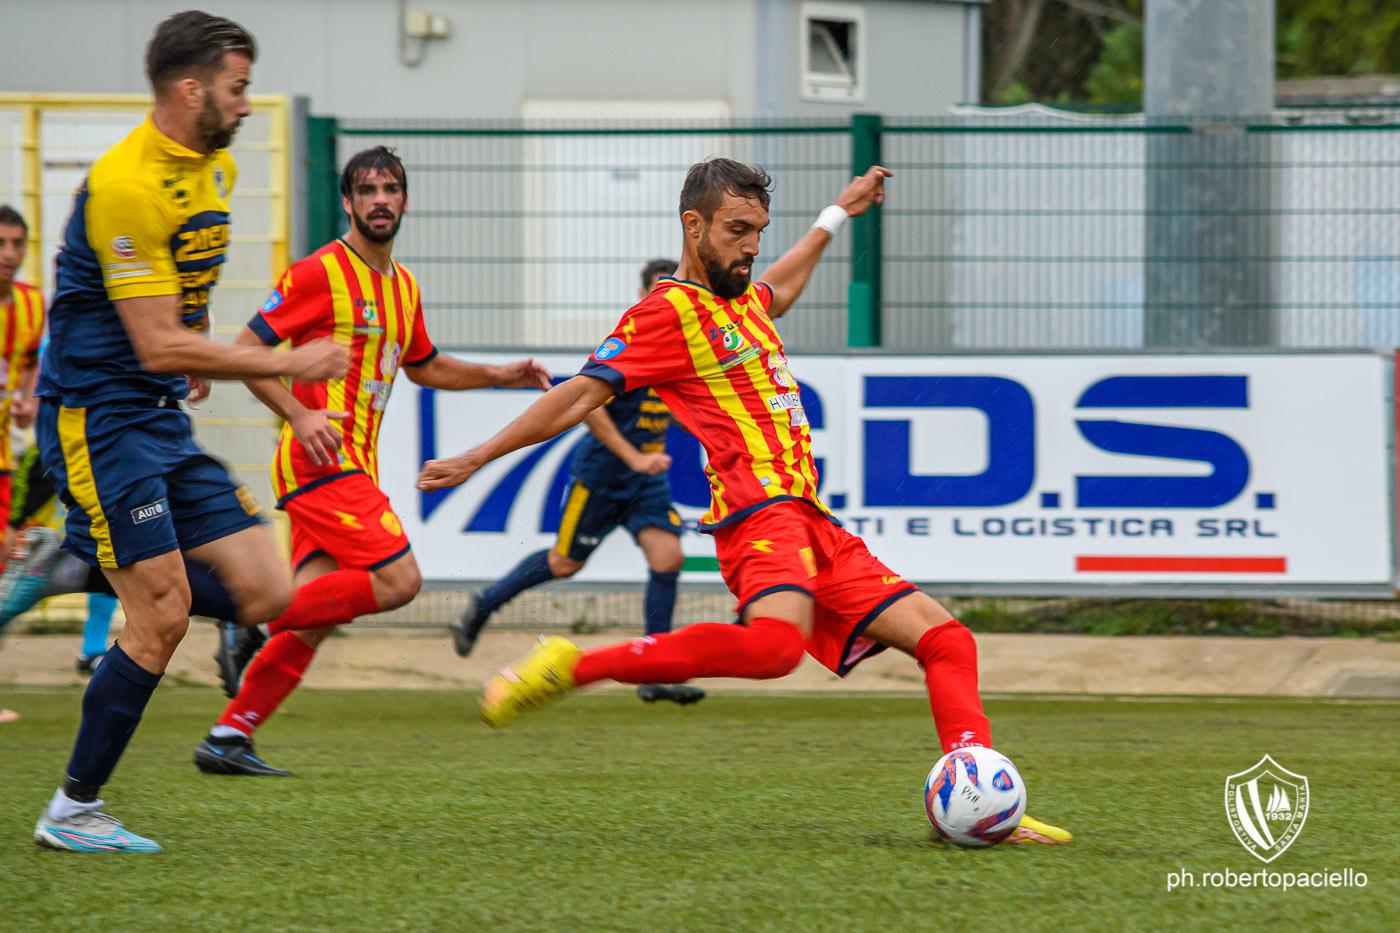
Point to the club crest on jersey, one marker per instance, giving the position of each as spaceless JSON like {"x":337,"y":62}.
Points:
{"x":608,"y":349}
{"x":220,"y":183}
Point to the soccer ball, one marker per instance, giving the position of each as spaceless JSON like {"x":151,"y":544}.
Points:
{"x":974,"y":797}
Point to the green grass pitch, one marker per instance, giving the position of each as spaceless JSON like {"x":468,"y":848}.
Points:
{"x":787,"y":812}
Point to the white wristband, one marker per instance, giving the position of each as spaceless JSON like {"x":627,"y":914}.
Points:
{"x":832,"y":219}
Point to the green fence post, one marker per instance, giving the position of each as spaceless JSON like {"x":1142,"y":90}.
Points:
{"x":863,"y":294}
{"x":323,"y":214}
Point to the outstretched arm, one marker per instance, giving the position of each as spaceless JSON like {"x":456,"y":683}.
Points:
{"x":789,"y":275}
{"x":444,"y":372}
{"x":164,"y":345}
{"x":561,"y":408}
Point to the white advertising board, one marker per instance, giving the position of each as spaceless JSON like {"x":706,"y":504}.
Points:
{"x":996,"y":470}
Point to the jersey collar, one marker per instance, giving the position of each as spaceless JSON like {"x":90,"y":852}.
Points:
{"x":169,"y":147}
{"x":393,"y":266}
{"x":742,"y":300}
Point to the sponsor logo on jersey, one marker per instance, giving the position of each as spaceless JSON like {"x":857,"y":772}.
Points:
{"x":123,"y":247}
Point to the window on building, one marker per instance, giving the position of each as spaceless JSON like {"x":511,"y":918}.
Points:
{"x":833,"y":59}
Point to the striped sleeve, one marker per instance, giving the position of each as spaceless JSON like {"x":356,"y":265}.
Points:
{"x":647,"y":348}
{"x":296,"y":307}
{"x":420,"y":347}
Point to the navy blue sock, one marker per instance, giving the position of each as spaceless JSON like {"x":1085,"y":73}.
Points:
{"x":660,"y":601}
{"x":532,"y":571}
{"x":112,"y":706}
{"x":207,"y":595}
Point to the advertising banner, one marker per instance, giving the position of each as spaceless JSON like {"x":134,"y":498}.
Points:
{"x":1089,"y":470}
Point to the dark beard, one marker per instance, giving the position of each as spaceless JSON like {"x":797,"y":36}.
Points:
{"x":724,"y":281}
{"x":369,"y":233}
{"x":211,"y":131}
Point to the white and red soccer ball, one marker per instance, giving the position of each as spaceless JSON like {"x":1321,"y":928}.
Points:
{"x":974,"y":797}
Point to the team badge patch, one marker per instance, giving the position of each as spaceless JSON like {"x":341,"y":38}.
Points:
{"x":123,"y":247}
{"x":391,"y":523}
{"x":272,"y":301}
{"x":608,"y":349}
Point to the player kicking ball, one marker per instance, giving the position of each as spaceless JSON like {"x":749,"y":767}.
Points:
{"x":349,"y":550}
{"x":619,"y":479}
{"x":706,"y":343}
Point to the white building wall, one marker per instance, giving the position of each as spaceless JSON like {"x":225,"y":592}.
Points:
{"x":345,"y":55}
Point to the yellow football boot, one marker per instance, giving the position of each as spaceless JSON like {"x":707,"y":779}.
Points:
{"x":534,"y":680}
{"x":1033,"y":830}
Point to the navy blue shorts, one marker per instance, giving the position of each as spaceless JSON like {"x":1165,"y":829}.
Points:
{"x":135,"y":483}
{"x":590,"y":515}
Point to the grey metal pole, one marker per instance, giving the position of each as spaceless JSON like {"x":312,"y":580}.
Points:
{"x":301,"y":238}
{"x":1209,"y":68}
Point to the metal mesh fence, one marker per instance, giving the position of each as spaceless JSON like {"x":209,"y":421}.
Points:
{"x":1142,"y":236}
{"x":536,"y":236}
{"x":997,"y":235}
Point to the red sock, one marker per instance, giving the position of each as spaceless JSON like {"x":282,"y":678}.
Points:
{"x":269,"y":680}
{"x":948,"y":656}
{"x":763,"y":649}
{"x":331,"y":599}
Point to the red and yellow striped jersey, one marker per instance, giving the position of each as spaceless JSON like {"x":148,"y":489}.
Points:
{"x":334,"y":293}
{"x":719,"y":366}
{"x":23,"y":321}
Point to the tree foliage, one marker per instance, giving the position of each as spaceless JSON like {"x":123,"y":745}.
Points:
{"x":1090,"y":51}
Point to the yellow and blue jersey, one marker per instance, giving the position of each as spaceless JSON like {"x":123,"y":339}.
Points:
{"x":151,"y":219}
{"x":643,"y":419}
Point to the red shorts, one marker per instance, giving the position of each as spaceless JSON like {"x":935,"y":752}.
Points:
{"x":348,"y":519}
{"x":793,"y":546}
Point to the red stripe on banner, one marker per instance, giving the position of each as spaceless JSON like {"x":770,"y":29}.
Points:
{"x":1109,"y":564}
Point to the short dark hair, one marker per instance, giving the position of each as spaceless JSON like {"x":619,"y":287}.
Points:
{"x":708,"y":182}
{"x":9,"y":217}
{"x":194,"y":41}
{"x":379,"y":159}
{"x":658,"y":267}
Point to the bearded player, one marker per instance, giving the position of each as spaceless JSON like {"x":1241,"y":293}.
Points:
{"x":618,"y":480}
{"x":349,"y":550}
{"x":708,"y":346}
{"x":142,"y":249}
